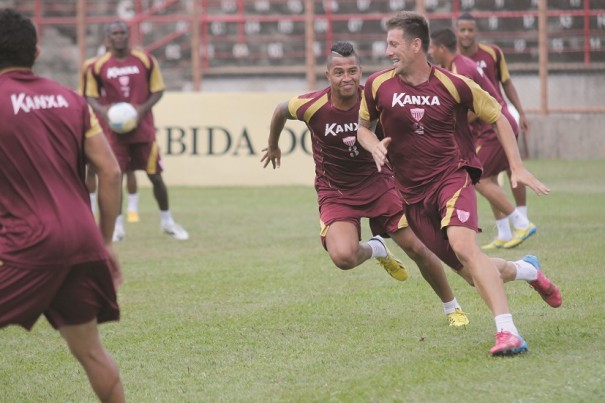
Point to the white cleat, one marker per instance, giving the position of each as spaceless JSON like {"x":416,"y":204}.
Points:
{"x":176,"y":231}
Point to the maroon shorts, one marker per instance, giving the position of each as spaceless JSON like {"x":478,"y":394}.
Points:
{"x":385,"y":213}
{"x":138,"y":157}
{"x":454,"y":203}
{"x":65,"y":295}
{"x":492,"y":156}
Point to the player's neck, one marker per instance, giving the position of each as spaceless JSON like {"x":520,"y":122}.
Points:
{"x":121,"y":54}
{"x":343,"y":103}
{"x":9,"y":69}
{"x":418,"y":74}
{"x":469,"y":50}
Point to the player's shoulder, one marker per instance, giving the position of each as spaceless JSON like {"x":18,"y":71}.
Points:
{"x":146,"y":58}
{"x":490,"y":48}
{"x":376,"y":80}
{"x":99,"y":61}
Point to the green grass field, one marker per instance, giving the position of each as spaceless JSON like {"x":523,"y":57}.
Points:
{"x":252,"y":310}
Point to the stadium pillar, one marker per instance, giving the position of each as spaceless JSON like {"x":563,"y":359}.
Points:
{"x":309,"y":41}
{"x":543,"y":56}
{"x":195,"y":47}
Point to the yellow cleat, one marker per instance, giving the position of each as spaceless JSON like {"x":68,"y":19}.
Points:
{"x":520,"y":236}
{"x":391,"y":264}
{"x":495,"y":244}
{"x":457,"y":318}
{"x":133,"y":216}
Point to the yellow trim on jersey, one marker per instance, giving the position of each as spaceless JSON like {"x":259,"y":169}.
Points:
{"x":323,"y":229}
{"x":403,"y":222}
{"x":493,"y":51}
{"x":92,"y":89}
{"x":95,"y":127}
{"x":156,"y":81}
{"x":82,"y":78}
{"x":152,"y":161}
{"x":364,"y":113}
{"x":449,"y":84}
{"x":449,"y":207}
{"x":316,"y":105}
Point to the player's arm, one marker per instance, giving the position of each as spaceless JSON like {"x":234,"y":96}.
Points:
{"x":366,"y":136}
{"x":101,"y":110}
{"x":145,"y":107}
{"x":101,"y":158}
{"x":273,"y":153}
{"x":513,"y":97}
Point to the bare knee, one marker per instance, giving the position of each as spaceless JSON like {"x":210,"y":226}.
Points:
{"x":343,"y":259}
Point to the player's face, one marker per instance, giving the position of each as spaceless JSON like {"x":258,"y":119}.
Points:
{"x":467,"y":32}
{"x":399,"y":50}
{"x":344,"y":76}
{"x":118,"y":36}
{"x":436,"y":53}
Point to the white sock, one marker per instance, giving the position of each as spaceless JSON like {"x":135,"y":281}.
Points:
{"x":133,"y":202}
{"x":166,"y":217}
{"x":505,"y":322}
{"x":519,"y":220}
{"x":450,"y":307}
{"x":93,"y":202}
{"x":504,"y":232}
{"x":523,"y":211}
{"x":120,"y":221}
{"x":378,"y":248}
{"x":525,"y":271}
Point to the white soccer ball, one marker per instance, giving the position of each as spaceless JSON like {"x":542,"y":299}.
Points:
{"x":122,"y":117}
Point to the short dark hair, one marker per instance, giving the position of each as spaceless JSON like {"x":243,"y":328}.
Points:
{"x":341,"y":49}
{"x":116,"y":22}
{"x":18,"y":40}
{"x":445,"y":37}
{"x":467,"y":17}
{"x":413,"y":25}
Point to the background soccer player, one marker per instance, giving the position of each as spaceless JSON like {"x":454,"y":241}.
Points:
{"x":423,"y":112}
{"x":349,"y":187}
{"x":54,"y":261}
{"x":443,"y":50}
{"x":490,"y":59}
{"x":133,"y":76}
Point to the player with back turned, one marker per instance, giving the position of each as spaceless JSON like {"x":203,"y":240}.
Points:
{"x":54,"y":261}
{"x":348,"y":186}
{"x":423,"y":111}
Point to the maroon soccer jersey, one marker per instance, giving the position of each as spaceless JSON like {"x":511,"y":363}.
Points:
{"x":45,"y":215}
{"x":428,"y":124}
{"x":130,"y":80}
{"x":340,"y":161}
{"x":490,"y":59}
{"x":467,"y":67}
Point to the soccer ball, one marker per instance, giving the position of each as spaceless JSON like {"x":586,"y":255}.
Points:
{"x":122,"y":117}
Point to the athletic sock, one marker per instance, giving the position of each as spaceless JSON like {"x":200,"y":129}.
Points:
{"x":93,"y":202}
{"x":525,"y":271}
{"x":505,"y":322}
{"x":450,"y":307}
{"x":523,"y":211}
{"x":166,"y":217}
{"x":378,"y":249}
{"x":504,"y":232}
{"x":133,"y":202}
{"x":519,"y":220}
{"x":120,"y":221}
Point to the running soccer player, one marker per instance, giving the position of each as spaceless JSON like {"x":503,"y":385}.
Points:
{"x":349,"y":187}
{"x":423,"y":110}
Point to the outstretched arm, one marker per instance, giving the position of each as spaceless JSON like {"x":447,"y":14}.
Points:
{"x":278,"y":121}
{"x":368,"y":140}
{"x":513,"y":97}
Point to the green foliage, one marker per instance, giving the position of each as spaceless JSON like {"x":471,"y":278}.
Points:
{"x":251,"y":309}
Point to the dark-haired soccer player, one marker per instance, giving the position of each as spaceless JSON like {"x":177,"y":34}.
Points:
{"x":91,"y":177}
{"x":349,"y":187}
{"x":133,"y":76}
{"x":54,"y":261}
{"x":443,"y":50}
{"x":423,"y":113}
{"x":490,"y":59}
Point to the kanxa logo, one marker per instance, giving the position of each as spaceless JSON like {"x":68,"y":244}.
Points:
{"x":221,"y":141}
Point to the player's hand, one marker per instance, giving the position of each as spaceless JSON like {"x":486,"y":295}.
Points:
{"x":114,"y":265}
{"x":526,"y":178}
{"x":379,"y":152}
{"x":524,"y":124}
{"x":273,"y":155}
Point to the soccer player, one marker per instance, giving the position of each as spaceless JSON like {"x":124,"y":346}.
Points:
{"x":91,"y":177}
{"x":423,"y":113}
{"x":133,"y":76}
{"x":349,"y":187}
{"x":490,"y":59}
{"x":443,"y":50}
{"x":54,"y":261}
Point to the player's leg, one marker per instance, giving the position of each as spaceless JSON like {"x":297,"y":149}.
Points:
{"x":433,"y":273}
{"x":133,"y":196}
{"x":103,"y":374}
{"x":521,"y":232}
{"x":343,"y":246}
{"x":91,"y":185}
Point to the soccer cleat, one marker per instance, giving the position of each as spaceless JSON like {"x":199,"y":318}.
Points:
{"x":457,"y":318}
{"x":520,"y":236}
{"x":390,"y":263}
{"x":118,"y":233}
{"x":546,"y":288}
{"x":495,"y":244}
{"x":508,"y":344}
{"x":133,"y":216}
{"x":175,"y":230}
